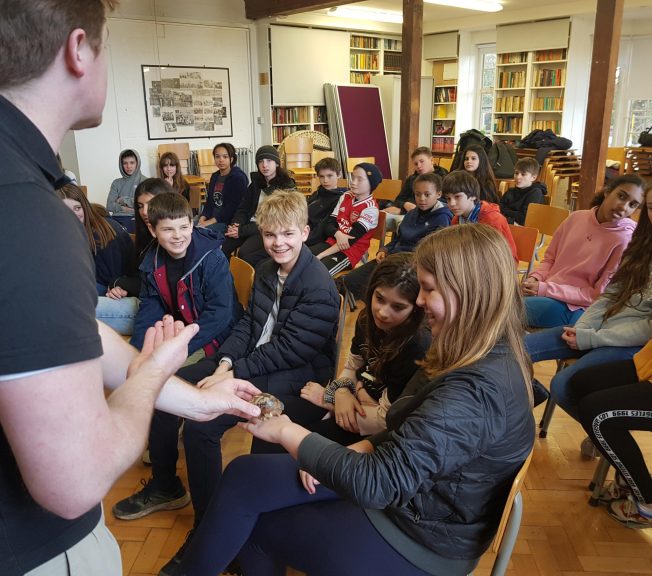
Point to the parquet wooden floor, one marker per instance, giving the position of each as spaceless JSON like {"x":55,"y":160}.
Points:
{"x":561,"y":535}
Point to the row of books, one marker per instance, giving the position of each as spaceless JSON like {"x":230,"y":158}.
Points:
{"x":364,"y":42}
{"x":280,"y":132}
{"x":320,"y":114}
{"x":360,"y":78}
{"x":550,"y":77}
{"x":446,"y":94}
{"x":545,"y":55}
{"x":392,"y":62}
{"x":554,"y":125}
{"x":511,"y":79}
{"x":508,"y":125}
{"x":510,"y":104}
{"x":512,"y":58}
{"x":547,"y":103}
{"x":391,"y":44}
{"x":442,"y":111}
{"x":443,"y":144}
{"x":364,"y":61}
{"x":291,"y":115}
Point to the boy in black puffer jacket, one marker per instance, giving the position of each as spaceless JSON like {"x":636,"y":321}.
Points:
{"x":514,"y":203}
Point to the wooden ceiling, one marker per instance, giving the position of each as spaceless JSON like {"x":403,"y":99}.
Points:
{"x":256,"y":9}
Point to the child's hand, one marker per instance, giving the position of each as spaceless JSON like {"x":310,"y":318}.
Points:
{"x":116,"y":293}
{"x":342,"y":240}
{"x":346,"y":407}
{"x":232,"y":231}
{"x":530,"y":286}
{"x":380,"y":255}
{"x":570,"y":337}
{"x":313,"y":392}
{"x":407,"y":206}
{"x":270,"y":430}
{"x":309,"y":482}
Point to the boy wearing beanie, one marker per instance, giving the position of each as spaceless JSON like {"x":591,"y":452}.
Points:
{"x":243,"y":232}
{"x":352,"y":223}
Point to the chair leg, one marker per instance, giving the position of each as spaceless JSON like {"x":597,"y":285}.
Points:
{"x":599,"y":476}
{"x":547,"y":417}
{"x":509,"y":538}
{"x":350,"y":300}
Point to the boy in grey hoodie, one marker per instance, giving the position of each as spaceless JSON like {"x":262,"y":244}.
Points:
{"x":121,"y":196}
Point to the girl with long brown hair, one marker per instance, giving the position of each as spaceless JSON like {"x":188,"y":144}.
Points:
{"x":169,"y":168}
{"x":388,"y":342}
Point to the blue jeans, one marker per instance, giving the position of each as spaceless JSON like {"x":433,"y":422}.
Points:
{"x":119,"y":314}
{"x":261,"y":511}
{"x":548,"y":345}
{"x":544,"y":312}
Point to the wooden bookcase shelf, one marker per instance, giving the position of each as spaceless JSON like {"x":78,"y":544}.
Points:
{"x":444,"y":106}
{"x":289,"y":119}
{"x":529,"y":92}
{"x":371,"y":55}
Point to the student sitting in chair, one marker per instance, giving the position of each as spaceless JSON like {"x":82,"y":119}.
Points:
{"x":323,"y":200}
{"x":514,"y":203}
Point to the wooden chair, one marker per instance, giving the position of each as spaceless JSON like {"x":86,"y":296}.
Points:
{"x":510,"y":522}
{"x":638,"y":160}
{"x":525,"y":239}
{"x":351,"y":162}
{"x":379,"y":236}
{"x":318,"y":155}
{"x":546,"y":219}
{"x":182,"y":150}
{"x":197,"y":191}
{"x":388,"y":189}
{"x":206,"y":163}
{"x":298,"y":153}
{"x":340,"y":334}
{"x":243,"y":279}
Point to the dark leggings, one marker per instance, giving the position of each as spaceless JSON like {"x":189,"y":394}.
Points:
{"x":262,"y":512}
{"x":202,"y":441}
{"x":612,"y":403}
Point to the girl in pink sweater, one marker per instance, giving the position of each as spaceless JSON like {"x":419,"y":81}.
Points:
{"x":583,"y":255}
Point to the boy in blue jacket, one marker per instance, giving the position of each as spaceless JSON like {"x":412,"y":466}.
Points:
{"x":185,"y":274}
{"x":429,"y":215}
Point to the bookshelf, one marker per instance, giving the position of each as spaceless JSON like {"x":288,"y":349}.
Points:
{"x":289,"y":119}
{"x":444,"y":107}
{"x":529,"y":92}
{"x":371,"y":55}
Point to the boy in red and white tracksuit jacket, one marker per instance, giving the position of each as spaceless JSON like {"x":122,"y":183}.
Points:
{"x":352,"y":224}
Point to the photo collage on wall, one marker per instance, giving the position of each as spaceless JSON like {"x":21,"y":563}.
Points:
{"x":187,"y":102}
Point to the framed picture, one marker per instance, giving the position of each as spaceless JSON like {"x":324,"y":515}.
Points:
{"x":187,"y":102}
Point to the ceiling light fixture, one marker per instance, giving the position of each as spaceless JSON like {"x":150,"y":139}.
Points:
{"x":361,"y":13}
{"x":481,"y":5}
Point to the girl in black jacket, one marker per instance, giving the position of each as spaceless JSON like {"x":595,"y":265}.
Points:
{"x":426,"y":495}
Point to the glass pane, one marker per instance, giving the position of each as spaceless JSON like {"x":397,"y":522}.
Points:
{"x":489,"y":61}
{"x":636,"y":105}
{"x":487,"y":101}
{"x":488,"y":78}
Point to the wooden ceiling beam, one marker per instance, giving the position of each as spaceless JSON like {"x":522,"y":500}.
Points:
{"x":255,"y":9}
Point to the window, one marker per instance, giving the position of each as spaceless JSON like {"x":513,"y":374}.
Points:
{"x":639,"y":118}
{"x":487,"y":83}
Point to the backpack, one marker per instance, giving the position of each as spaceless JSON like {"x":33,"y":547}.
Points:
{"x":502,"y":158}
{"x":467,"y":139}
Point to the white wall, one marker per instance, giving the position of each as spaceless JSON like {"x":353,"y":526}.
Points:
{"x":184,"y":35}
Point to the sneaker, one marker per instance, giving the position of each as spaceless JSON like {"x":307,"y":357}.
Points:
{"x":628,"y":513}
{"x":150,"y":499}
{"x":617,"y":489}
{"x":588,"y":449}
{"x":172,"y":567}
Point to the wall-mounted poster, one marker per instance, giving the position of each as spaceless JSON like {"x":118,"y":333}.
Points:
{"x":187,"y":102}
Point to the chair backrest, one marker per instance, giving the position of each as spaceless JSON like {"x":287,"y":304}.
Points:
{"x":343,"y":183}
{"x":525,"y":239}
{"x":340,"y":334}
{"x":298,"y":153}
{"x":544,"y":218}
{"x":388,"y":189}
{"x":351,"y":162}
{"x":510,"y":522}
{"x":181,"y":149}
{"x":379,"y":232}
{"x":318,"y":155}
{"x":243,"y":279}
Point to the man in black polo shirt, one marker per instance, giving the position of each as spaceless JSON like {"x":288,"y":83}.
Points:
{"x":62,"y":444}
